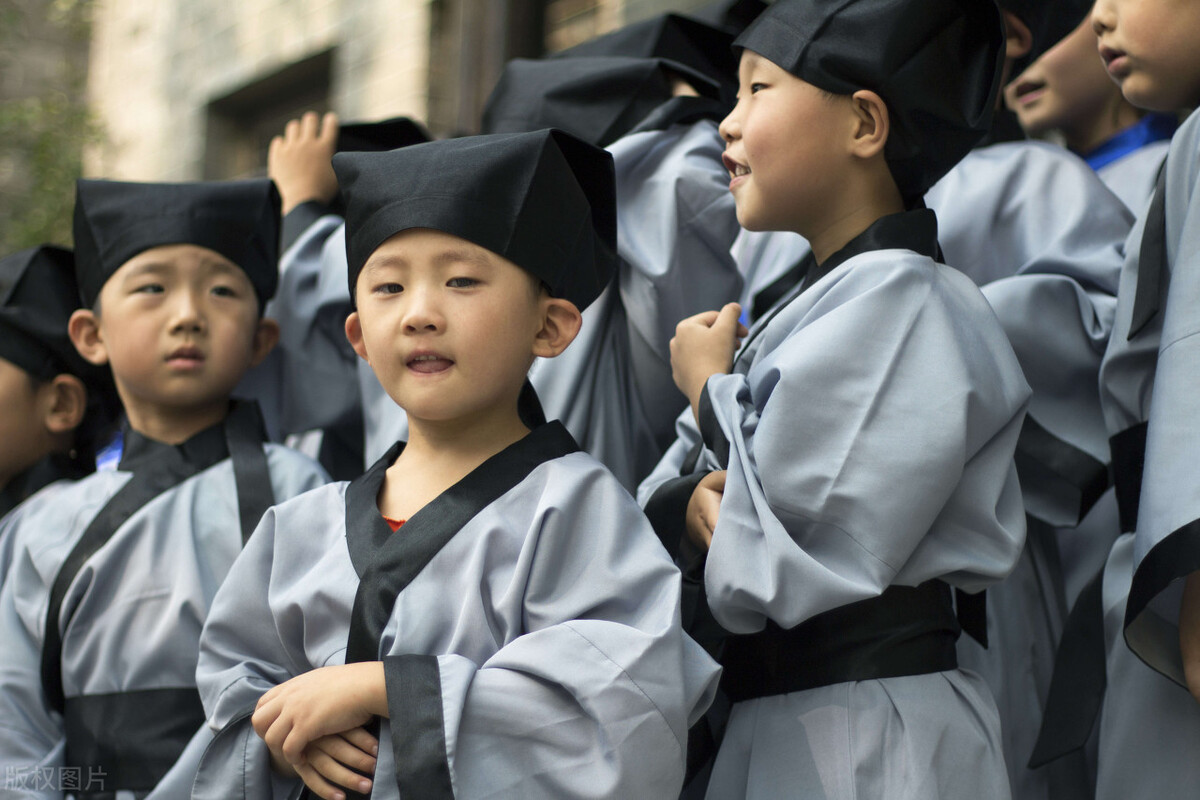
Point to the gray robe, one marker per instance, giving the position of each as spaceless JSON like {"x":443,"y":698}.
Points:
{"x":1039,"y":231}
{"x":612,"y":388}
{"x":1035,"y":227}
{"x":869,"y":426}
{"x":1132,"y":176}
{"x":1151,"y":376}
{"x":131,"y":617}
{"x":533,"y":651}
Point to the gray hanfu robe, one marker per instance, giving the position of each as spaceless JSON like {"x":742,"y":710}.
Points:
{"x":1043,"y":236}
{"x":1036,"y":228}
{"x":118,"y":707}
{"x":612,"y":388}
{"x":868,"y":427}
{"x":1132,"y":177}
{"x":527,"y":619}
{"x":1150,"y":375}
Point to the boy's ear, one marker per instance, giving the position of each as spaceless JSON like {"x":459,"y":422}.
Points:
{"x":561,"y":321}
{"x":266,"y":336}
{"x":64,"y":402}
{"x":355,"y":337}
{"x":84,"y":330}
{"x":871,"y":124}
{"x":1018,"y":41}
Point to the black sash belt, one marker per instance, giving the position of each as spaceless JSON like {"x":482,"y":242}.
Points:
{"x":904,"y":631}
{"x":129,"y":740}
{"x":1128,"y":460}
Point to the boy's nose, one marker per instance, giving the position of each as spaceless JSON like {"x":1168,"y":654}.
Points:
{"x":422,"y":313}
{"x":186,"y":313}
{"x":730,"y":128}
{"x":1103,"y":17}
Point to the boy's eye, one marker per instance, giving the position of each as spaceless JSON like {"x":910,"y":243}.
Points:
{"x":389,"y":288}
{"x":224,"y":291}
{"x":462,"y":283}
{"x":149,"y":288}
{"x":754,"y":87}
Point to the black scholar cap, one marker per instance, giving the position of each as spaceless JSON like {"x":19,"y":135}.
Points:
{"x":544,"y":200}
{"x":386,"y":134}
{"x":37,"y":296}
{"x":115,"y":221}
{"x":935,"y":63}
{"x":682,"y":40}
{"x":597,"y":98}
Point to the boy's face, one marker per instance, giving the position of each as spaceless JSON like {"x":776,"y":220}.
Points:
{"x":20,"y":422}
{"x":1150,"y":50}
{"x":449,"y":328}
{"x":179,"y":326}
{"x":1067,"y":86}
{"x":781,"y":146}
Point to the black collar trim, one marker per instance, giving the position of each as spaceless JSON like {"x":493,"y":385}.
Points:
{"x":386,"y":563}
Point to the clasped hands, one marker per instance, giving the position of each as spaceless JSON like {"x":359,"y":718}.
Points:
{"x":703,"y":346}
{"x":313,"y":726}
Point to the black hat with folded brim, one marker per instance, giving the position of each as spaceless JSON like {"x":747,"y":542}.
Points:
{"x":544,"y":200}
{"x":732,"y":15}
{"x":597,"y":98}
{"x":387,"y":134}
{"x":935,"y":63}
{"x":683,"y":40}
{"x":37,"y":297}
{"x":1048,"y":22}
{"x":117,"y":220}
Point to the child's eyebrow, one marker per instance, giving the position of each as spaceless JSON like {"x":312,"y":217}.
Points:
{"x":147,"y":268}
{"x":462,"y":256}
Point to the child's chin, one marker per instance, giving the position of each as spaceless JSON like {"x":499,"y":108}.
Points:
{"x":1143,"y":94}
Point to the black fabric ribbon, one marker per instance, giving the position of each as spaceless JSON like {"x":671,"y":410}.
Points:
{"x":157,"y":468}
{"x":1078,"y":681}
{"x":1152,"y":259}
{"x":386,"y":563}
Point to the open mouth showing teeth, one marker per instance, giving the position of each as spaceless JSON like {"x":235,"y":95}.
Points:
{"x":429,"y":362}
{"x":739,"y":171}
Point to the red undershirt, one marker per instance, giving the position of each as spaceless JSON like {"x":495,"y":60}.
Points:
{"x":394,"y":524}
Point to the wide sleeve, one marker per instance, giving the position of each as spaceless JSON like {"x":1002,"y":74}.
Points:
{"x":872,"y":446}
{"x":315,"y":378}
{"x":1167,"y":546}
{"x":1059,"y":330}
{"x":32,"y":736}
{"x":676,"y":225}
{"x":242,"y":655}
{"x":592,"y":698}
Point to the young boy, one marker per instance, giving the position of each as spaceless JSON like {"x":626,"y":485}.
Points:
{"x":56,"y":405}
{"x":855,"y":459}
{"x":1039,"y":232}
{"x":486,"y":588}
{"x":102,"y":610}
{"x":1067,"y":90}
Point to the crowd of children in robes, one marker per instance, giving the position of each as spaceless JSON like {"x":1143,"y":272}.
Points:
{"x":752,"y":410}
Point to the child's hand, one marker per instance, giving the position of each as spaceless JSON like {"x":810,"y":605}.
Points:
{"x":299,"y":161}
{"x":703,"y":508}
{"x":339,"y":760}
{"x":1189,"y":633}
{"x":317,"y":704}
{"x":703,"y":346}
